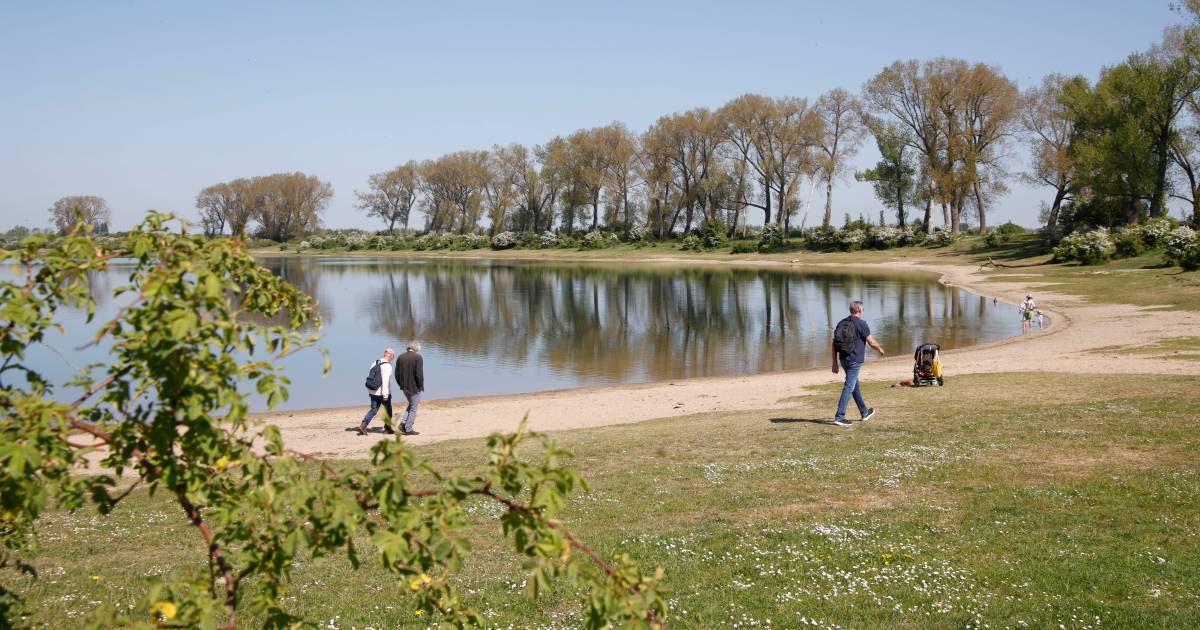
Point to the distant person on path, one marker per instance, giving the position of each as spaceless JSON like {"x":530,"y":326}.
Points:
{"x":1041,"y":320}
{"x":851,"y":337}
{"x":410,"y":376}
{"x":381,"y":395}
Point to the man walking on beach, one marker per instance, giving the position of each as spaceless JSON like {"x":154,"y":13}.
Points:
{"x":410,"y":375}
{"x":851,"y":337}
{"x":381,"y":396}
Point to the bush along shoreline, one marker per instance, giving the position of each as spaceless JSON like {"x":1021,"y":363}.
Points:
{"x":1094,"y":246}
{"x":709,"y":236}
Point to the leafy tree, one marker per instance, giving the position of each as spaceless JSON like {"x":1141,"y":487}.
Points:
{"x":1050,"y":126}
{"x":893,"y":176}
{"x":70,"y":212}
{"x":166,"y":408}
{"x":391,"y":195}
{"x":844,"y":131}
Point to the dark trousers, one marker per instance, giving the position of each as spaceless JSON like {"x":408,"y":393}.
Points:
{"x":376,"y":401}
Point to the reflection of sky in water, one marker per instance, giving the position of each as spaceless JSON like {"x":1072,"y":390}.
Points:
{"x":510,"y":327}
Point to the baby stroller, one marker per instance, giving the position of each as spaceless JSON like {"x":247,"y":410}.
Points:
{"x":927,"y":366}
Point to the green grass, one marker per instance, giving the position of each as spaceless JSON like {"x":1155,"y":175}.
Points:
{"x":1004,"y":500}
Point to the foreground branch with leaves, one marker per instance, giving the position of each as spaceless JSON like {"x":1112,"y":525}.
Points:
{"x":201,"y":318}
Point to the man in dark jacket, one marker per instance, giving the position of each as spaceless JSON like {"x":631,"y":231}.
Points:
{"x":410,"y":376}
{"x":851,"y":360}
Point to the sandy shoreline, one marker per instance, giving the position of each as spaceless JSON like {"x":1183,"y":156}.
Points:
{"x":1076,"y":343}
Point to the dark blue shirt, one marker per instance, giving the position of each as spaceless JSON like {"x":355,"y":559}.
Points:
{"x":860,"y":345}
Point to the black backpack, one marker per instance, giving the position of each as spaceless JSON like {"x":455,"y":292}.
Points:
{"x":845,"y":336}
{"x":374,"y":378}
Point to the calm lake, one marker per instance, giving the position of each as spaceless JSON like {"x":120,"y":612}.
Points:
{"x":512,"y":327}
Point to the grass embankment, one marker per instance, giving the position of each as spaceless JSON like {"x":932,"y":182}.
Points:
{"x":958,"y":506}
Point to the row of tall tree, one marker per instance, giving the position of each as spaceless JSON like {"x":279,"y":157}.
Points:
{"x":753,"y":154}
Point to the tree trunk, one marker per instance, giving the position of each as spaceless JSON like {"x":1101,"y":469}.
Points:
{"x":1059,"y":195}
{"x":1162,"y":152}
{"x":979,"y":206}
{"x":595,"y":209}
{"x":828,"y":202}
{"x":767,"y":205}
{"x":927,"y":223}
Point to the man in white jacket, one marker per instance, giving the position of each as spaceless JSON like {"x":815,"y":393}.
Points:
{"x":381,"y":396}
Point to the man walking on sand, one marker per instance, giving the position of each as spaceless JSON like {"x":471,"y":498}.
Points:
{"x":382,"y":395}
{"x":410,"y":376}
{"x":851,"y":337}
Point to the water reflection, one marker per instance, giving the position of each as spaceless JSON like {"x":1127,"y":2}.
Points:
{"x":499,"y":328}
{"x":508,"y":327}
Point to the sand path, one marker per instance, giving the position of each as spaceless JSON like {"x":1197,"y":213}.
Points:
{"x":1080,"y":341}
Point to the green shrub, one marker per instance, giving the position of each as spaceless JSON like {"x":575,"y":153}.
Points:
{"x":1002,"y":234}
{"x":712,"y":233}
{"x":744,"y":247}
{"x":772,"y":237}
{"x":1128,"y":243}
{"x":1088,"y":248}
{"x":691,"y":242}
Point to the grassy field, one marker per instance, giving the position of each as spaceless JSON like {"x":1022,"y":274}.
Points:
{"x":957,"y":506}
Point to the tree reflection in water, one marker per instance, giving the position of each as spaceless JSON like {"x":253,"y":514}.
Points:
{"x":505,"y":327}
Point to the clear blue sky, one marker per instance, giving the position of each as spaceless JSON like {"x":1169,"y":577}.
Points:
{"x":145,"y":103}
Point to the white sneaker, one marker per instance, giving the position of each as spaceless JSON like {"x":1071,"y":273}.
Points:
{"x":841,"y":423}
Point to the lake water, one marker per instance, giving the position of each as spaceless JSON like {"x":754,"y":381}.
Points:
{"x":513,"y":327}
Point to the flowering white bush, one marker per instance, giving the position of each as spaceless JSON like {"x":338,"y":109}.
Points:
{"x":909,"y":236}
{"x":597,"y":239}
{"x":824,"y":238}
{"x":851,"y":240}
{"x":1182,"y":247}
{"x":504,"y":240}
{"x":638,"y":235}
{"x":1155,"y":232}
{"x":1088,"y":248}
{"x":548,"y":239}
{"x":941,"y":237}
{"x":431,"y":241}
{"x":884,"y":236}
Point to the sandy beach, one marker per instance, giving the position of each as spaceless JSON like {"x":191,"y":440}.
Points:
{"x":1082,"y":339}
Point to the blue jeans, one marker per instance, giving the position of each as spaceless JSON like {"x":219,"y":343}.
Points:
{"x":410,"y":412}
{"x":376,"y":401}
{"x":850,"y":388}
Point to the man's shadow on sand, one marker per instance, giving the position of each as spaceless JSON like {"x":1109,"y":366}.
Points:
{"x":369,"y":429}
{"x":796,"y":420}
